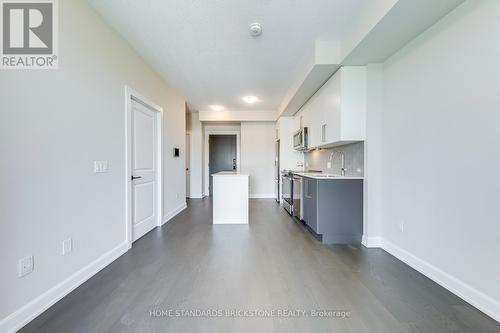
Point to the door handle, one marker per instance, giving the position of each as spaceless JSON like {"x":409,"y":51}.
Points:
{"x":234,"y":164}
{"x":135,"y":177}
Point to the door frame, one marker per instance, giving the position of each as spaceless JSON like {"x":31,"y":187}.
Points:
{"x":187,"y":160}
{"x":207,"y":153}
{"x":130,"y":95}
{"x":277,"y":154}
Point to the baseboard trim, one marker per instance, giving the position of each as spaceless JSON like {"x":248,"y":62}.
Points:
{"x":170,"y":215}
{"x":372,"y":242}
{"x":478,"y":299}
{"x":196,"y":196}
{"x":18,"y":319}
{"x":261,"y":196}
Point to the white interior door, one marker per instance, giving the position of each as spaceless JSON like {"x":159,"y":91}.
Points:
{"x":144,"y":169}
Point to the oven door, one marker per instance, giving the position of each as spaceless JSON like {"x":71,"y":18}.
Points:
{"x":297,"y":197}
{"x":286,"y":189}
{"x":286,"y":193}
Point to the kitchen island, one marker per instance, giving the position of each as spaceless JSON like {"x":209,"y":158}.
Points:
{"x":230,"y":198}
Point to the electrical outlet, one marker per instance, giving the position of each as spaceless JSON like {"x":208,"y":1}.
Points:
{"x":26,"y":266}
{"x":329,"y":165}
{"x":101,"y":166}
{"x":401,"y":225}
{"x":67,"y":246}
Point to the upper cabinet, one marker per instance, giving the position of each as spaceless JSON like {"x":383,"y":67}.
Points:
{"x":297,"y":121}
{"x":336,"y":113}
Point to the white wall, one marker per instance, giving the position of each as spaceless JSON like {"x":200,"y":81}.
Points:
{"x":53,"y":125}
{"x":373,"y":156}
{"x":257,"y":157}
{"x":237,"y":116}
{"x":441,"y":156}
{"x":194,"y":128}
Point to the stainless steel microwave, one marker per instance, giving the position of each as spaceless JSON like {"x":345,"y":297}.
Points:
{"x":300,"y":139}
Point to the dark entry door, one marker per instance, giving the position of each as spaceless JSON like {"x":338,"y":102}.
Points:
{"x":222,"y":155}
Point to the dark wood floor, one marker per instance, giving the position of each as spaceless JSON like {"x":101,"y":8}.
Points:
{"x":272,"y":264}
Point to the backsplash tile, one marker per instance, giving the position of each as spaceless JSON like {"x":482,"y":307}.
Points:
{"x":354,"y":159}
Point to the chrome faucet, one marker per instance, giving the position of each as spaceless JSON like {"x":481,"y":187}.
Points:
{"x":343,"y":169}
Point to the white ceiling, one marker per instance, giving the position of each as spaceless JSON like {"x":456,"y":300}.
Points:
{"x":203,"y":47}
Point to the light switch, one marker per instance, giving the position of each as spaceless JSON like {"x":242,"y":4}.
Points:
{"x":67,"y":246}
{"x":101,"y":166}
{"x":26,"y":266}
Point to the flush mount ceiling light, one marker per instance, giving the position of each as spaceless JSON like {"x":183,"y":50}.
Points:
{"x":216,"y":107}
{"x":250,"y":99}
{"x":255,"y":29}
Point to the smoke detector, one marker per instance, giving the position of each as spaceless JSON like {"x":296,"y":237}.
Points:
{"x":255,"y":29}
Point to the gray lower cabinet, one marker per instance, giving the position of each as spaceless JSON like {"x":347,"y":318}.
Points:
{"x":310,"y":203}
{"x":333,"y":209}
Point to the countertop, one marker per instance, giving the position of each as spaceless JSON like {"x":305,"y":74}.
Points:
{"x":325,"y":176}
{"x":229,"y":173}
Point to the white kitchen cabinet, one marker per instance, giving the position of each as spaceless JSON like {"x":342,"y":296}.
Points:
{"x":311,"y":119}
{"x":297,"y":121}
{"x":336,"y":113}
{"x":307,"y":121}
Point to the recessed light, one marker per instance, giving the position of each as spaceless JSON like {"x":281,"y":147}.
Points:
{"x":250,"y":99}
{"x":216,"y":107}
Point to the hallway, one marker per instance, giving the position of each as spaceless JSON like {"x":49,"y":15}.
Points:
{"x":189,"y":264}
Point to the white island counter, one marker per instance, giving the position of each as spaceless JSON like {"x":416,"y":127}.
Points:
{"x":230,"y":198}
